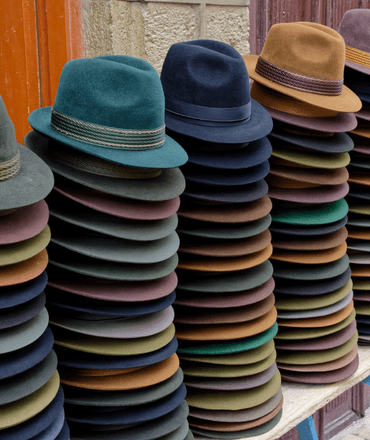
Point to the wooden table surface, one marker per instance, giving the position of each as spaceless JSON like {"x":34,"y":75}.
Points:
{"x":302,"y":400}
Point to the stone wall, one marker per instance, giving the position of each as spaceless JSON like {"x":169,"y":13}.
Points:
{"x":146,"y":29}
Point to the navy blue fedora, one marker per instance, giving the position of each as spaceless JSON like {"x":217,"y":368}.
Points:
{"x":207,"y":94}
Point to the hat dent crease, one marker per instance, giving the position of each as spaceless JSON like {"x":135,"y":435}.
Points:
{"x":306,"y":61}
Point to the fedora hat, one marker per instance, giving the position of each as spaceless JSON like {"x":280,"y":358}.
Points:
{"x":355,"y":30}
{"x":305,"y":61}
{"x":322,"y":377}
{"x":164,"y":185}
{"x":111,"y":107}
{"x":316,"y":176}
{"x":116,"y":206}
{"x":318,"y":194}
{"x":106,"y":290}
{"x":308,"y":230}
{"x":206,"y":88}
{"x":25,"y":178}
{"x":39,"y":422}
{"x":227,"y":347}
{"x":217,"y":300}
{"x":292,"y":111}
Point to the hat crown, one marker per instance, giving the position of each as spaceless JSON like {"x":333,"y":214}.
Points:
{"x":8,"y":141}
{"x":114,"y":91}
{"x":355,"y":29}
{"x":206,"y":73}
{"x":309,"y":49}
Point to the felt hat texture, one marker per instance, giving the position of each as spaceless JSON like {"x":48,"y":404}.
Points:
{"x":28,"y":179}
{"x":296,"y":49}
{"x":114,"y":93}
{"x":354,"y":28}
{"x":219,"y":109}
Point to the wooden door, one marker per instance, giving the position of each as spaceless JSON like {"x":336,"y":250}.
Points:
{"x":37,"y":37}
{"x":265,"y":13}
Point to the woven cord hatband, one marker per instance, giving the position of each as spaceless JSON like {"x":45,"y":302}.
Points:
{"x":109,"y":137}
{"x":278,"y":101}
{"x":10,"y":168}
{"x":357,"y":56}
{"x":318,"y":86}
{"x":95,"y":165}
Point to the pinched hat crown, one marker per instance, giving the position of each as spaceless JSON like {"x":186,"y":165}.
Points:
{"x":9,"y":151}
{"x":306,"y":61}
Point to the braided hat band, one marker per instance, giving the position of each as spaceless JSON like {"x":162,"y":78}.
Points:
{"x":297,"y":81}
{"x":107,"y":136}
{"x":357,"y":56}
{"x":10,"y":168}
{"x":94,"y":165}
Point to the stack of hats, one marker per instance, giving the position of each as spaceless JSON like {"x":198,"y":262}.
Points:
{"x":224,"y":310}
{"x":299,"y":79}
{"x":31,"y":399}
{"x":355,"y":30}
{"x":113,"y":249}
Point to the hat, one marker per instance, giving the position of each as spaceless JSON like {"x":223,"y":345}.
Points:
{"x":312,"y":176}
{"x":26,"y":383}
{"x":21,"y":410}
{"x":20,"y":360}
{"x":292,"y":111}
{"x":114,"y":205}
{"x":111,"y":270}
{"x":198,"y":228}
{"x":322,"y":377}
{"x":107,"y":290}
{"x":308,"y":230}
{"x":58,"y":428}
{"x":77,"y":214}
{"x":83,"y":360}
{"x":20,"y":336}
{"x":233,"y":281}
{"x":23,"y":223}
{"x":236,"y":213}
{"x":206,"y":88}
{"x":13,"y":316}
{"x":216,"y":300}
{"x":305,"y":61}
{"x":25,"y":178}
{"x":255,"y":153}
{"x":117,"y":103}
{"x":39,"y":422}
{"x":240,"y":415}
{"x":113,"y":346}
{"x":168,"y":184}
{"x":319,"y":194}
{"x":355,"y":30}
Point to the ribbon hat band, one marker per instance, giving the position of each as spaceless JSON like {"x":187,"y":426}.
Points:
{"x":109,"y":137}
{"x":330,"y":87}
{"x":208,"y":114}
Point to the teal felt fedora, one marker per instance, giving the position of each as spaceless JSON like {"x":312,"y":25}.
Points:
{"x":111,"y":107}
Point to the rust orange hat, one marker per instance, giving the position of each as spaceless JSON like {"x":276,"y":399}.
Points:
{"x":306,"y":61}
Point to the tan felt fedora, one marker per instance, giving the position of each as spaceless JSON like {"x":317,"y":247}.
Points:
{"x":306,"y":61}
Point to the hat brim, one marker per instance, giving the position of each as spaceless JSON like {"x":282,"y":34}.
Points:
{"x":322,"y":377}
{"x":80,"y":215}
{"x":347,"y":101}
{"x":33,"y":183}
{"x":252,"y":155}
{"x":219,"y":300}
{"x":168,"y":185}
{"x":358,"y":67}
{"x":24,"y":409}
{"x":117,"y":206}
{"x":17,"y":315}
{"x":308,"y":230}
{"x":312,"y":159}
{"x":118,"y":291}
{"x":110,"y":270}
{"x":335,"y":124}
{"x":258,"y":126}
{"x":24,"y":223}
{"x":320,"y":194}
{"x":309,"y":175}
{"x":169,"y":155}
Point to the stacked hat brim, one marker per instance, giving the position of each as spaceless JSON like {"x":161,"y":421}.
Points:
{"x":355,"y":23}
{"x":308,"y":182}
{"x":31,"y":400}
{"x":225,"y":316}
{"x":112,"y":283}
